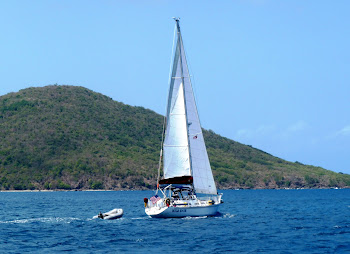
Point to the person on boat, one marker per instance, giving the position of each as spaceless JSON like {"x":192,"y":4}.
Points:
{"x":190,"y":194}
{"x":167,"y":202}
{"x":176,"y":195}
{"x":100,"y":215}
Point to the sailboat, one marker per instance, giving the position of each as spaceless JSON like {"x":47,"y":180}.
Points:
{"x":187,"y":187}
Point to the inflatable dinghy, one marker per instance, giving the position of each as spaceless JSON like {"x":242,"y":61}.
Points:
{"x":111,"y":215}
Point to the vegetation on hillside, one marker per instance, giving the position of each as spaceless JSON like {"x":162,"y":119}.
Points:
{"x":66,"y":137}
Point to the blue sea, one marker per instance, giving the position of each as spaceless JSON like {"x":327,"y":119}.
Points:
{"x":250,"y":221}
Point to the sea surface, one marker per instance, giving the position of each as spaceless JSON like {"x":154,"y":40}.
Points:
{"x":250,"y":221}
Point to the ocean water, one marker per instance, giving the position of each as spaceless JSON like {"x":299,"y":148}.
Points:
{"x":250,"y":221}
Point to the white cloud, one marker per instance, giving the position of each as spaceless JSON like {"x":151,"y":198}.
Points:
{"x":243,"y":133}
{"x":344,"y":132}
{"x":298,"y":126}
{"x":294,"y":129}
{"x":265,"y":129}
{"x":271,"y":132}
{"x":262,"y":130}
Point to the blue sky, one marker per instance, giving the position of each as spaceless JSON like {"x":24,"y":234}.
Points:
{"x":271,"y":74}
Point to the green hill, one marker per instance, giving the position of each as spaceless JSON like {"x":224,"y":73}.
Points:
{"x":66,"y":137}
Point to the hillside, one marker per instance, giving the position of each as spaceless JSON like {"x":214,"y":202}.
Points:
{"x":66,"y":137}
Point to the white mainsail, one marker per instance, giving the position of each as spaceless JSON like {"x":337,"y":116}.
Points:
{"x":176,"y":153}
{"x":185,"y":153}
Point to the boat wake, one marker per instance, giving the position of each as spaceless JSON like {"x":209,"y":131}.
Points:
{"x":228,"y":215}
{"x":142,"y":218}
{"x":224,"y":215}
{"x":194,"y":218}
{"x":42,"y":220}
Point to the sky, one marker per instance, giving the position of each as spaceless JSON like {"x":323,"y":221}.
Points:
{"x":267,"y":73}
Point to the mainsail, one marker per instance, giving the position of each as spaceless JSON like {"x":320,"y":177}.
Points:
{"x":185,"y":153}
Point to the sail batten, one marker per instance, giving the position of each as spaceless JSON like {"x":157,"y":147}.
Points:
{"x":185,"y":153}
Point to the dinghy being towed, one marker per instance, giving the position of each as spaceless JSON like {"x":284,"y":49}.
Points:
{"x":188,"y":186}
{"x":111,"y":215}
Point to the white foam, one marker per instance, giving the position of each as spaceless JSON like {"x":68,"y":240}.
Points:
{"x":43,"y":220}
{"x":228,"y":215}
{"x":194,"y":218}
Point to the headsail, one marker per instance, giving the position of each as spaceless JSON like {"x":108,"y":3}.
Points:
{"x":185,"y":153}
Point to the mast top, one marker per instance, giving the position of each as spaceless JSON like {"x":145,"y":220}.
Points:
{"x":177,"y":20}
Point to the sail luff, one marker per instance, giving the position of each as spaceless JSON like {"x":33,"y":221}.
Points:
{"x":172,"y":80}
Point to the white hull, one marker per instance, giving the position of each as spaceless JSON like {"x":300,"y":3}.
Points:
{"x":179,"y":212}
{"x":187,"y":207}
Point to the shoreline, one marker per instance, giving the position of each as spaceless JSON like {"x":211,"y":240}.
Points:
{"x":51,"y":190}
{"x":58,"y":190}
